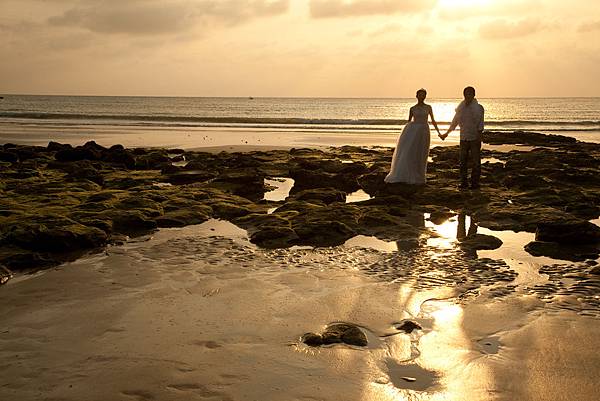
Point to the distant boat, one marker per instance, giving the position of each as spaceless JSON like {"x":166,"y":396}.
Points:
{"x":250,"y":97}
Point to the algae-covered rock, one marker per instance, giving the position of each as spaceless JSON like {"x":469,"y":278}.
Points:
{"x":324,"y":195}
{"x":344,"y":333}
{"x":480,"y":242}
{"x":129,"y":222}
{"x":337,"y":333}
{"x":274,"y":236}
{"x":570,"y":252}
{"x":568,"y":232}
{"x":323,"y":233}
{"x":9,"y":157}
{"x":184,"y":217}
{"x":54,"y":234}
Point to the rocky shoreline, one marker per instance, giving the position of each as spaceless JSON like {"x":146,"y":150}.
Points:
{"x":59,"y":202}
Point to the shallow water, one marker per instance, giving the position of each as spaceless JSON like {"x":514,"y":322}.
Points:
{"x":201,"y":313}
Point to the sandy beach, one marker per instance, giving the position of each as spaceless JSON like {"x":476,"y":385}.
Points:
{"x":200,"y":313}
{"x":212,"y":301}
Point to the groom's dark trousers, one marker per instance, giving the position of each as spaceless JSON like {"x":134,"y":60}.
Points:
{"x":473,"y":149}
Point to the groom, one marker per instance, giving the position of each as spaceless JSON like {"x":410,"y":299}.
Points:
{"x":469,"y":115}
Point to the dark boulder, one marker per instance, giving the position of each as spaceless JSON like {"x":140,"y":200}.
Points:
{"x":55,"y":146}
{"x":187,"y":176}
{"x":324,"y":195}
{"x":570,"y":252}
{"x":568,"y":232}
{"x":55,"y":235}
{"x":9,"y":157}
{"x":76,"y":154}
{"x":476,"y":242}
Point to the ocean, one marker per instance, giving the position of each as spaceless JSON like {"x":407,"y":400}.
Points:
{"x":21,"y":115}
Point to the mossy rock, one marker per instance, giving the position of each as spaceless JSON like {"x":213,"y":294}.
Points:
{"x":322,"y":195}
{"x":274,"y":237}
{"x":476,"y":242}
{"x":323,"y":233}
{"x":129,"y":222}
{"x":55,"y":235}
{"x":181,"y":218}
{"x":228,"y":211}
{"x":337,"y":333}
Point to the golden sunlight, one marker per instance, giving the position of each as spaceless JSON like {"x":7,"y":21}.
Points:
{"x":463,"y":3}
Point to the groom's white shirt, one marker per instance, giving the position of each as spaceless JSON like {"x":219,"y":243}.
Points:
{"x":470,"y":120}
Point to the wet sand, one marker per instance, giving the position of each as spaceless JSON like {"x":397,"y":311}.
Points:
{"x":199,"y":313}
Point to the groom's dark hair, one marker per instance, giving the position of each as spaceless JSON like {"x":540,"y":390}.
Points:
{"x":469,"y":89}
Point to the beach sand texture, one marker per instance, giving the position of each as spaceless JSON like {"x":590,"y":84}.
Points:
{"x":200,"y":313}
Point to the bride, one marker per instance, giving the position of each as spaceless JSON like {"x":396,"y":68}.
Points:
{"x":409,"y":162}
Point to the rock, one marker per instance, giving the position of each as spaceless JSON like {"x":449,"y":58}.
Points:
{"x":189,"y":176}
{"x":86,"y":173}
{"x":344,"y":333}
{"x":119,"y":156}
{"x":595,"y":270}
{"x":312,"y":339}
{"x":480,"y":242}
{"x":55,"y":146}
{"x":299,"y":206}
{"x":5,"y":275}
{"x":152,"y":160}
{"x":55,"y":235}
{"x":323,"y":233}
{"x":20,"y":260}
{"x":408,"y":326}
{"x":143,"y":204}
{"x":94,"y":147}
{"x":568,"y":232}
{"x":372,"y":183}
{"x":8,"y":157}
{"x":274,"y":237}
{"x":573,"y":253}
{"x":307,"y":179}
{"x":248,"y":183}
{"x":76,"y":154}
{"x":325,"y":195}
{"x":181,"y":218}
{"x":526,"y":138}
{"x":130,"y":222}
{"x":227,"y":211}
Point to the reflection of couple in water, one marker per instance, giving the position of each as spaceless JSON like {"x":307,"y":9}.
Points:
{"x":409,"y":163}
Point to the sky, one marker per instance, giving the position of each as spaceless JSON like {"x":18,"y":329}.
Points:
{"x":310,"y":48}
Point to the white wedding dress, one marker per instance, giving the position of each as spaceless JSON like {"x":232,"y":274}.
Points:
{"x":409,"y":162}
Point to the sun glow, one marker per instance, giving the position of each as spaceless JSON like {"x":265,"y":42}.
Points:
{"x":463,"y":3}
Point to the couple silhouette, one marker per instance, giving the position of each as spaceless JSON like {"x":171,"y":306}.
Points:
{"x":409,"y":162}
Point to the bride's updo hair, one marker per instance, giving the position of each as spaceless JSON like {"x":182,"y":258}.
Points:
{"x":423,"y":91}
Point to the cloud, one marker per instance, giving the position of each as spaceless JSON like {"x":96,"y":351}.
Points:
{"x":152,"y":17}
{"x":503,"y":29}
{"x":495,"y":8}
{"x":589,"y":27}
{"x":359,"y":8}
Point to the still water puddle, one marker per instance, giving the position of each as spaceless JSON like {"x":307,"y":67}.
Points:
{"x":492,"y":160}
{"x":357,"y":196}
{"x":282,"y":187}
